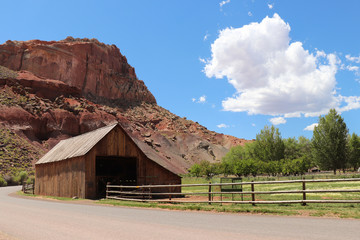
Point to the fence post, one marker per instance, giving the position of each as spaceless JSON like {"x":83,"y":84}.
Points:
{"x":33,"y":182}
{"x":304,"y":193}
{"x":220,"y":198}
{"x":209,"y":193}
{"x":107,"y":189}
{"x":170,"y":191}
{"x":253,"y":194}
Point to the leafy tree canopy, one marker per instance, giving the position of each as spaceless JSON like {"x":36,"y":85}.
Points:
{"x":269,"y":145}
{"x":329,"y":142}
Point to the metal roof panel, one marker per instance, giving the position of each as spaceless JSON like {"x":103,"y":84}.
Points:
{"x":75,"y":146}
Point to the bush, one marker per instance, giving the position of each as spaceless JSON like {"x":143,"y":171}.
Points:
{"x":18,"y":179}
{"x":3,"y":183}
{"x":22,"y":177}
{"x":30,"y":180}
{"x":10,"y":180}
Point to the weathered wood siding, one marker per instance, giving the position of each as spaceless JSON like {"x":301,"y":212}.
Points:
{"x":155,"y":174}
{"x":117,"y":143}
{"x":61,"y":179}
{"x":77,"y":176}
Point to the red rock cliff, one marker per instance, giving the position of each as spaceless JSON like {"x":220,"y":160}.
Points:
{"x":100,"y":71}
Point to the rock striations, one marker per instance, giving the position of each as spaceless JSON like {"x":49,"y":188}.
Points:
{"x":54,"y":90}
{"x":98,"y":70}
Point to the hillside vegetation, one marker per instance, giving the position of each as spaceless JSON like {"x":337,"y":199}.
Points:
{"x":7,"y":73}
{"x":16,"y":154}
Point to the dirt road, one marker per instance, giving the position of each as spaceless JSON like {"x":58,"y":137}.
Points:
{"x":35,"y":219}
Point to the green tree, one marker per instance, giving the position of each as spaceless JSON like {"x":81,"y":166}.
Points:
{"x":207,"y":169}
{"x":329,"y":142}
{"x":292,"y":149}
{"x":304,"y":144}
{"x":226,"y":168}
{"x":246,"y":167}
{"x":296,"y":148}
{"x":269,"y":145}
{"x":304,"y":163}
{"x":240,"y":161}
{"x":272,"y":168}
{"x":217,"y":168}
{"x":354,"y":151}
{"x":238,"y":168}
{"x":228,"y":161}
{"x":195,"y":170}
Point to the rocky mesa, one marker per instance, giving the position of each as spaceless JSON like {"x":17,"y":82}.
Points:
{"x":54,"y":90}
{"x":98,"y":70}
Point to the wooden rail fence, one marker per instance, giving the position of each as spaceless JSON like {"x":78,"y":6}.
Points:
{"x":145,"y":193}
{"x":28,"y":188}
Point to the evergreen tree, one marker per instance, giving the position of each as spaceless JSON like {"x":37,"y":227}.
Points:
{"x":329,"y":142}
{"x":354,"y":151}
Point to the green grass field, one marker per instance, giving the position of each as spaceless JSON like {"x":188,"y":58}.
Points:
{"x":282,"y":187}
{"x":341,"y":210}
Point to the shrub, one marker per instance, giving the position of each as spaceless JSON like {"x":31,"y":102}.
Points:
{"x":30,"y":180}
{"x":3,"y":183}
{"x":22,"y":177}
{"x":11,"y":181}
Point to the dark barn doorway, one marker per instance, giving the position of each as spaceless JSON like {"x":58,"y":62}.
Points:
{"x":116,"y":170}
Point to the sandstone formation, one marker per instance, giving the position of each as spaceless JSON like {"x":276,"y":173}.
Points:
{"x":98,"y":70}
{"x":50,"y":91}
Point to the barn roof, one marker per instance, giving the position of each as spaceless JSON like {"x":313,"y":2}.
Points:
{"x":75,"y":146}
{"x":82,"y":144}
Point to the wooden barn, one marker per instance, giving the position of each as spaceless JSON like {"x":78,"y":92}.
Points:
{"x":81,"y":166}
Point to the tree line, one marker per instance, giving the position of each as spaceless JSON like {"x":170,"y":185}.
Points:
{"x":330,"y":148}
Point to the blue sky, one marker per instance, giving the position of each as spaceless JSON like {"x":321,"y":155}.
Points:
{"x":233,"y":66}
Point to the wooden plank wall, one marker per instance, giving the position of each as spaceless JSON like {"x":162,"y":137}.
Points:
{"x":157,"y":175}
{"x":113,"y":144}
{"x":61,"y":179}
{"x":117,"y":143}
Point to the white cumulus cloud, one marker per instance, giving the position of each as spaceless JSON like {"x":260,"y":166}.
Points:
{"x":206,"y":36}
{"x":352,"y":68}
{"x":271,"y":74}
{"x":222,"y":125}
{"x":277,"y":120}
{"x":311,"y":127}
{"x":270,"y":6}
{"x":224,"y":2}
{"x":201,"y":99}
{"x":352,"y":58}
{"x":202,"y":60}
{"x":352,"y":102}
